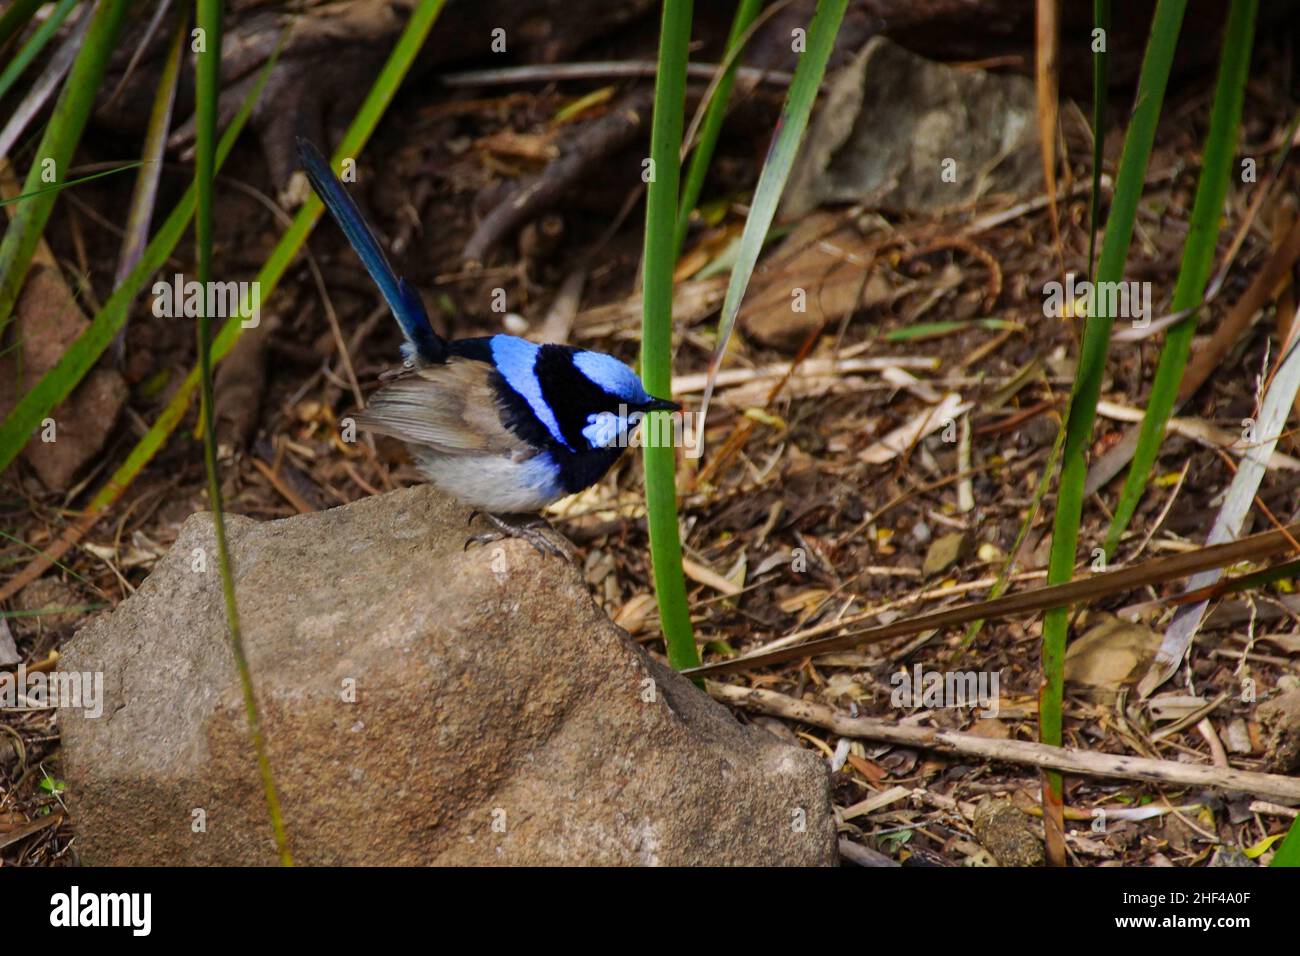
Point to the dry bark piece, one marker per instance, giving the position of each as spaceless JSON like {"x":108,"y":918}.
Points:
{"x":1109,"y":656}
{"x":1064,"y":759}
{"x":820,"y":273}
{"x":945,"y":551}
{"x":48,"y":319}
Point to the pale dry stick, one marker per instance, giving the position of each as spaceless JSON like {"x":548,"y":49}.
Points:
{"x":1028,"y":753}
{"x":684,"y":384}
{"x":558,"y":323}
{"x":1003,"y":216}
{"x":559,"y":72}
{"x":1239,"y":658}
{"x":1201,"y":432}
{"x":1250,"y":634}
{"x":127,"y":588}
{"x":701,"y":574}
{"x":1218,"y":755}
{"x":965,"y":487}
{"x":877,"y":801}
{"x":1047,"y":45}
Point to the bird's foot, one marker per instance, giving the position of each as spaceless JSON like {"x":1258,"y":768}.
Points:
{"x":533,"y":530}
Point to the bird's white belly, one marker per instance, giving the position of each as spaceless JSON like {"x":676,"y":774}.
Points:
{"x":494,"y":483}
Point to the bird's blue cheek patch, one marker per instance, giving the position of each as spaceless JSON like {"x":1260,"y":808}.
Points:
{"x":516,"y":360}
{"x":603,"y":429}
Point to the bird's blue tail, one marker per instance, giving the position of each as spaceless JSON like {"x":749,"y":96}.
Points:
{"x":422,"y":343}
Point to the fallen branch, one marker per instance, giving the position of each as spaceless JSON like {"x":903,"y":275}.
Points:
{"x":1081,"y":590}
{"x":864,"y":856}
{"x":535,"y":195}
{"x":1272,"y":786}
{"x":562,"y":72}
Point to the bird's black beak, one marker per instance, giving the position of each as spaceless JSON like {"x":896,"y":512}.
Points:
{"x":662,"y":405}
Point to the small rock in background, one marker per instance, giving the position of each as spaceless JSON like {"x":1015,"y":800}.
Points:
{"x":945,"y":551}
{"x":1231,"y":856}
{"x":8,"y":649}
{"x":1236,"y":737}
{"x":1008,"y":833}
{"x":1109,"y":656}
{"x":907,"y":134}
{"x":422,"y":704}
{"x":1279,"y":718}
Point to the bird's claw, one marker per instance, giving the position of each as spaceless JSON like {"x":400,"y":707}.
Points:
{"x":531,"y":532}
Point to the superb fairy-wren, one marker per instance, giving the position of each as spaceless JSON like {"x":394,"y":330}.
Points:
{"x":503,"y":424}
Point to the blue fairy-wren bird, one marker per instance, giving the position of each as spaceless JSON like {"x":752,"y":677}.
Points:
{"x":501,"y":423}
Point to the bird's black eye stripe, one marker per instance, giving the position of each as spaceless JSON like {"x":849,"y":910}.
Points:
{"x":570,"y":394}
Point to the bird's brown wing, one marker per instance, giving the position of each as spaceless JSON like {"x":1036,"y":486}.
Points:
{"x":451,"y":408}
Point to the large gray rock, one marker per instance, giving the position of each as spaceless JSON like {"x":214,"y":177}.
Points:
{"x":905,"y":134}
{"x":422,"y":703}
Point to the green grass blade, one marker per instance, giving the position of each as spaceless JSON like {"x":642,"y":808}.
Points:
{"x":1198,"y":257}
{"x":32,"y":48}
{"x":86,"y":349}
{"x":6,"y":536}
{"x":58,"y":187}
{"x":657,"y":330}
{"x":1082,"y":410}
{"x":1100,"y":93}
{"x":1288,"y":854}
{"x":776,"y":170}
{"x":55,"y":151}
{"x":207,"y":68}
{"x":746,"y":11}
